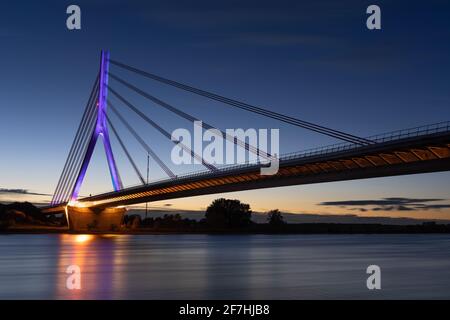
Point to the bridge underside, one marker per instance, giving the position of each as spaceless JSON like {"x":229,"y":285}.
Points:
{"x":408,"y":156}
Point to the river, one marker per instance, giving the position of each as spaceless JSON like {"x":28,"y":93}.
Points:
{"x":224,"y":266}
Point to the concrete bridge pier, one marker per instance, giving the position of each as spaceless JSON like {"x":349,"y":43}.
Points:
{"x":88,"y":219}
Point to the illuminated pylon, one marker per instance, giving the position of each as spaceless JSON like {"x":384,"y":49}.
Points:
{"x":101,"y":129}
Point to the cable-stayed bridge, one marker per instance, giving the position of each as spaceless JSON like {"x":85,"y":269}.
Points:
{"x":417,"y":150}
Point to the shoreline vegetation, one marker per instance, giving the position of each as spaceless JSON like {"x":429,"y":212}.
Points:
{"x":223,"y":216}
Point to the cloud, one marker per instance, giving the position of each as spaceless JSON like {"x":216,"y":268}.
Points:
{"x":384,"y":201}
{"x":271,"y":39}
{"x":215,"y":17}
{"x":253,"y":13}
{"x":258,"y":24}
{"x":390,"y":204}
{"x":404,"y":208}
{"x":435,"y":206}
{"x":22,"y":191}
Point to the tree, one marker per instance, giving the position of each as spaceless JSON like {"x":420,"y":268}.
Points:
{"x":275,"y":218}
{"x":227,"y":213}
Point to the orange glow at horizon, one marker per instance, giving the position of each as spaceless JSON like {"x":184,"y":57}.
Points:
{"x":307,"y":199}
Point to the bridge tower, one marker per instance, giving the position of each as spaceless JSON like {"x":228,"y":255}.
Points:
{"x":101,"y":130}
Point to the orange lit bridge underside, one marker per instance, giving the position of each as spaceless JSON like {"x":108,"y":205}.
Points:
{"x":430,"y":153}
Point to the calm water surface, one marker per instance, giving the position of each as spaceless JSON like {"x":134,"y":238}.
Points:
{"x":224,"y":267}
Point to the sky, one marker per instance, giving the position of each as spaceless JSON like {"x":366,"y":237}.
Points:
{"x":314,"y":60}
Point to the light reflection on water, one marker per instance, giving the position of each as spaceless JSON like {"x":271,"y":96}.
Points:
{"x":224,"y":266}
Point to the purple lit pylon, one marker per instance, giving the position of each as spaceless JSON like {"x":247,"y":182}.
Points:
{"x":101,"y":129}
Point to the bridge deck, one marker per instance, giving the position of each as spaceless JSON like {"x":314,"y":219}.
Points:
{"x":412,"y":154}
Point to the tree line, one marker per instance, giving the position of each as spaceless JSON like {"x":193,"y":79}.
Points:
{"x":220,"y":214}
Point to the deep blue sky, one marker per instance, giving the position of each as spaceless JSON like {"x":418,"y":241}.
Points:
{"x":315,"y":60}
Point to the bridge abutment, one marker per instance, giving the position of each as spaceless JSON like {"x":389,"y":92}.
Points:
{"x":88,"y":219}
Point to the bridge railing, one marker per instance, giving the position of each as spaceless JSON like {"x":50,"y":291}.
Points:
{"x":380,"y":138}
{"x":413,"y":132}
